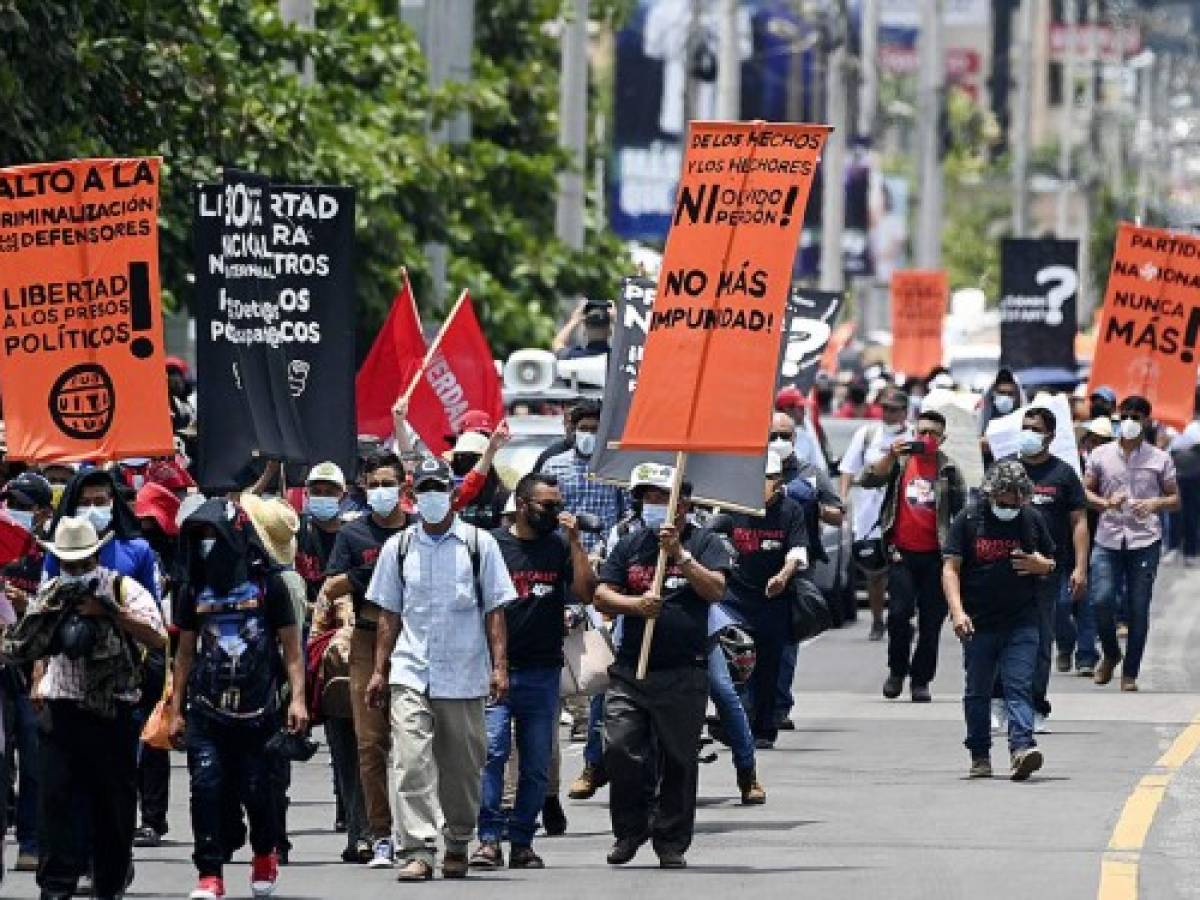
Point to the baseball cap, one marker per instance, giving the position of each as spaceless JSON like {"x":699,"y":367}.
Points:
{"x":327,"y":471}
{"x":650,"y":474}
{"x":788,"y":398}
{"x":431,"y":469}
{"x":1101,"y":426}
{"x":174,"y":362}
{"x":471,"y":442}
{"x":476,"y":420}
{"x":29,"y":488}
{"x":1105,"y":393}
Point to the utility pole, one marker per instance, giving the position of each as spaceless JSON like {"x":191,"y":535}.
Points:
{"x":1021,"y":129}
{"x":573,"y":122}
{"x":446,"y":30}
{"x":1089,"y":177}
{"x":931,"y":88}
{"x":868,"y":91}
{"x":729,"y":63}
{"x":833,"y":157}
{"x":1066,"y":139}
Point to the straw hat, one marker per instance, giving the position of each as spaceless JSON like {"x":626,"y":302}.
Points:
{"x":276,"y":524}
{"x":75,"y":539}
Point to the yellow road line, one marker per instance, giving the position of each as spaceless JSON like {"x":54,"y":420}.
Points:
{"x":1119,"y":868}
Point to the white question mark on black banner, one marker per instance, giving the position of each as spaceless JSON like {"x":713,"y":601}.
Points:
{"x":1068,"y":282}
{"x":806,"y":336}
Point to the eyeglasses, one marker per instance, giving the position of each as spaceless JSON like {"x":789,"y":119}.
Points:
{"x":780,"y":436}
{"x":1135,"y":417}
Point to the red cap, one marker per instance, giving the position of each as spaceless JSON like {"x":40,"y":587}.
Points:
{"x":174,"y":362}
{"x":170,"y":474}
{"x":476,"y":420}
{"x":157,"y":502}
{"x":788,"y":398}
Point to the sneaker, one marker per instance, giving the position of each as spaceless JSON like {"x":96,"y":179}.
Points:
{"x":264,"y":872}
{"x":524,"y":858}
{"x":785,"y":724}
{"x":981,"y":767}
{"x":1040,"y":725}
{"x":1104,"y":669}
{"x":1128,"y":684}
{"x":892,"y":686}
{"x":671,"y":859}
{"x":878,"y":631}
{"x":920,"y":694}
{"x":999,"y":717}
{"x":554,"y":818}
{"x":27,"y":861}
{"x":763,"y":744}
{"x":590,"y":780}
{"x":752,"y":792}
{"x":383,"y":854}
{"x":1085,"y":670}
{"x":210,"y":887}
{"x":1064,"y":662}
{"x":1025,"y":763}
{"x":487,"y":856}
{"x":623,"y":850}
{"x":146,"y":837}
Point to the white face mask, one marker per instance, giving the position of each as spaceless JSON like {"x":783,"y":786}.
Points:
{"x":781,"y":447}
{"x":99,"y":516}
{"x":1004,"y":404}
{"x":1030,"y":443}
{"x":1004,"y":513}
{"x":1130,"y":430}
{"x":654,"y":515}
{"x":86,"y":577}
{"x":585,"y":443}
{"x":383,"y":500}
{"x":433,"y":506}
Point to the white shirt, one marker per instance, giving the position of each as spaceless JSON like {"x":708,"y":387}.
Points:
{"x":869,"y":445}
{"x":442,"y":649}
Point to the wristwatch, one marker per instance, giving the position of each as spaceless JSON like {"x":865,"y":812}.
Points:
{"x":685,"y":557}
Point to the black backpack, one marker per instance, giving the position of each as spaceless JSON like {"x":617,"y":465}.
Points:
{"x":405,"y":544}
{"x":237,"y":670}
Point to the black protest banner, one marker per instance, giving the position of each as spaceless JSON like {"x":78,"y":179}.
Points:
{"x":811,"y":316}
{"x":729,"y":480}
{"x":1039,"y":285}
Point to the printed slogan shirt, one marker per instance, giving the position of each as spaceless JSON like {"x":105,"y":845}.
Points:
{"x":541,"y":572}
{"x":681,"y":635}
{"x":760,"y":545}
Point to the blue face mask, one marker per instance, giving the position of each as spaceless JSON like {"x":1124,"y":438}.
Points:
{"x":99,"y":516}
{"x":322,"y":508}
{"x":654,"y":515}
{"x":383,"y":500}
{"x":1005,"y":513}
{"x":1030,"y":443}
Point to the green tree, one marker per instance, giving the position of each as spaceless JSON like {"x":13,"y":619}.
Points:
{"x":203,"y":83}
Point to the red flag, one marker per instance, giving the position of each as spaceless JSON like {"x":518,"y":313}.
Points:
{"x":460,"y":376}
{"x":390,"y":367}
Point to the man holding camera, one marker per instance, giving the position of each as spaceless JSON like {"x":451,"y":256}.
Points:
{"x":596,"y":318}
{"x":91,"y":625}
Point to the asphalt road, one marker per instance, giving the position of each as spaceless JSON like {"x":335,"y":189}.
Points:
{"x":867,"y":798}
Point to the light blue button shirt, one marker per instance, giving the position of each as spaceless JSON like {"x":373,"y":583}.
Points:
{"x":442,"y":648}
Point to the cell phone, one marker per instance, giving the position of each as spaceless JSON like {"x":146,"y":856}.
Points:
{"x":917,"y":446}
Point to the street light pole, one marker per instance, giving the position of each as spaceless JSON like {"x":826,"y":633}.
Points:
{"x":1022,"y":138}
{"x":1066,"y":140}
{"x":929,"y":110}
{"x":572,"y":118}
{"x":833,"y":156}
{"x":868,"y":96}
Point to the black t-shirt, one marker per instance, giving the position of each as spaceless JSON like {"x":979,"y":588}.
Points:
{"x":681,"y":635}
{"x":354,"y":554}
{"x":487,"y":510}
{"x":541,"y":572}
{"x":314,"y":547}
{"x":761,"y":545}
{"x":277,"y":606}
{"x":994,"y":595}
{"x":1057,"y":493}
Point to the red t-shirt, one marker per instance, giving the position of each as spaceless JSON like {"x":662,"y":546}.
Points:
{"x":916,"y":508}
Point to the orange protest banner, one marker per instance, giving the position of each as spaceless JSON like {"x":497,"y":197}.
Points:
{"x":707,"y":378}
{"x":81,"y":348}
{"x":1146,"y":341}
{"x":919,"y":300}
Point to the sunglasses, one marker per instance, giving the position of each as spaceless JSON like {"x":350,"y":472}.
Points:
{"x":1135,"y":417}
{"x":780,"y":436}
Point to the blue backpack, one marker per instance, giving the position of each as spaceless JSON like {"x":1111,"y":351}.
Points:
{"x":237,"y":670}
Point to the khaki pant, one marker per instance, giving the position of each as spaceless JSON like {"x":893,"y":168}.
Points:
{"x":439,"y":748}
{"x":371,"y":730}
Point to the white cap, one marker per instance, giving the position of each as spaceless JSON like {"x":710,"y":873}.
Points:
{"x":1100,"y":426}
{"x":327,"y":471}
{"x":650,"y":474}
{"x":774,"y":464}
{"x":471,"y":442}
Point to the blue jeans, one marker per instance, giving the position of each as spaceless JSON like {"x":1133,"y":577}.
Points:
{"x":1014,"y":651}
{"x":1075,"y":624}
{"x":532,"y":703}
{"x":730,"y":710}
{"x":593,"y":750}
{"x":1137,"y":568}
{"x":784,"y":701}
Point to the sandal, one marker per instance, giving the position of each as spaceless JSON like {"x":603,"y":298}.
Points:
{"x":415,"y":870}
{"x":488,"y":856}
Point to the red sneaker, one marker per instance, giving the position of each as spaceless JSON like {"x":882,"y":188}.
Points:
{"x":264,"y":872}
{"x":210,"y":887}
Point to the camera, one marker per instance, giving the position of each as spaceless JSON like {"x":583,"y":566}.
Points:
{"x":76,"y":635}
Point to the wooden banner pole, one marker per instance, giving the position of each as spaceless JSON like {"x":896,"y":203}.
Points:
{"x":433,"y":349}
{"x":660,"y":569}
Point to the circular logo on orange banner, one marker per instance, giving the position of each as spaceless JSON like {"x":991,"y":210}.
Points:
{"x":83,"y":402}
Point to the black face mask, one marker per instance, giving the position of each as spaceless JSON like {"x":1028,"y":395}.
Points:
{"x":543,"y":521}
{"x":462,"y":463}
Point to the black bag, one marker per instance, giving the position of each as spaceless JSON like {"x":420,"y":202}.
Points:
{"x":808,"y":613}
{"x":869,"y":555}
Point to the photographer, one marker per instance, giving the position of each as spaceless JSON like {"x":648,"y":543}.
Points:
{"x":596,"y":318}
{"x":87,"y":622}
